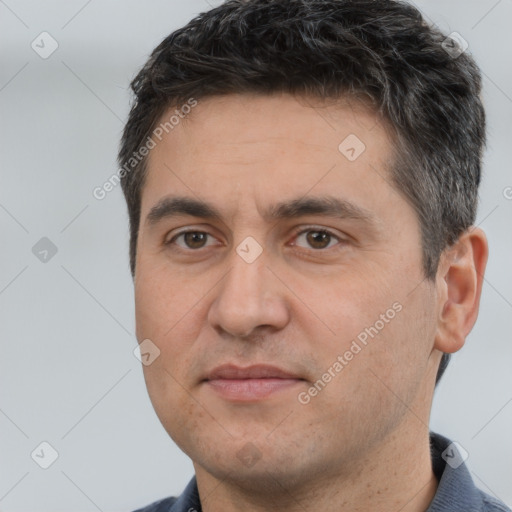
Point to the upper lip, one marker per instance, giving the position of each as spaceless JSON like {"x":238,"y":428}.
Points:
{"x":257,"y":371}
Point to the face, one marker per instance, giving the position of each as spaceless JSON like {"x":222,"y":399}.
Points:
{"x":279,"y":274}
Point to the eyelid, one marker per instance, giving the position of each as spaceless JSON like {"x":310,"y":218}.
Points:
{"x":184,"y":232}
{"x":296,"y":233}
{"x":302,"y":230}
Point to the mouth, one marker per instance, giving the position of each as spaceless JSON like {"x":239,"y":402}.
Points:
{"x":251,"y":383}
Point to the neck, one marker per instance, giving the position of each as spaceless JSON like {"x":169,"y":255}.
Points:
{"x":397,"y":475}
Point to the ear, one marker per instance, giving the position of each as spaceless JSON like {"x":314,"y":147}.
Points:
{"x":459,"y":282}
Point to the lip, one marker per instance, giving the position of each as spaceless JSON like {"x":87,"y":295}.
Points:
{"x":256,"y":371}
{"x":252,"y":383}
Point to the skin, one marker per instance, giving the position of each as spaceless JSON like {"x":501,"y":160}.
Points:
{"x":362,"y":442}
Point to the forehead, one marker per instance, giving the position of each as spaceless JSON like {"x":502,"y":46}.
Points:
{"x":240,"y":149}
{"x":247,"y":118}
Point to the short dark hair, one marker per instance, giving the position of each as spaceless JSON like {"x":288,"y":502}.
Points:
{"x":383,"y":51}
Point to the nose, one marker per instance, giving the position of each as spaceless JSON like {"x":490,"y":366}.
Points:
{"x":249,"y":298}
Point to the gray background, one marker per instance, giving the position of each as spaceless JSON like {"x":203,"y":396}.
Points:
{"x":67,"y":372}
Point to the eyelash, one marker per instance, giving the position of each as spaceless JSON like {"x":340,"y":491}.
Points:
{"x":295,"y":236}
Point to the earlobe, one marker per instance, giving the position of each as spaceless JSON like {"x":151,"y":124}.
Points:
{"x":459,"y":286}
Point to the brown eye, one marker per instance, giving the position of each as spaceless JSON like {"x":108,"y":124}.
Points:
{"x":194,"y":240}
{"x":190,"y":240}
{"x":317,"y":239}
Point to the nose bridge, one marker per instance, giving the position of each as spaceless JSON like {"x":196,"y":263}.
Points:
{"x":246,"y":284}
{"x":247,"y":297}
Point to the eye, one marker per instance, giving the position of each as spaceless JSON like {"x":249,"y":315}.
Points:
{"x":190,"y":240}
{"x":317,"y":238}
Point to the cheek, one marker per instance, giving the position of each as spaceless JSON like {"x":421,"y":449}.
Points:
{"x":169,"y":319}
{"x":165,"y":304}
{"x":398,"y":355}
{"x":350,"y":306}
{"x":177,"y":412}
{"x":381,"y":330}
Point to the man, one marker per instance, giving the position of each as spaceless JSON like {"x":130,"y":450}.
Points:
{"x":301,"y":179}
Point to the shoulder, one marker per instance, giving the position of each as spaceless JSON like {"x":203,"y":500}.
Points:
{"x":493,"y":505}
{"x":163,"y":505}
{"x":456,"y":489}
{"x":188,"y":501}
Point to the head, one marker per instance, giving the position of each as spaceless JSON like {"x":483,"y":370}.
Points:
{"x":357,"y":107}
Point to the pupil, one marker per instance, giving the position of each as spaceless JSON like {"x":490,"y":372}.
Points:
{"x":194,"y":239}
{"x":318,"y":239}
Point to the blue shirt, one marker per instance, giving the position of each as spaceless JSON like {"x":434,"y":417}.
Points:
{"x":456,"y":491}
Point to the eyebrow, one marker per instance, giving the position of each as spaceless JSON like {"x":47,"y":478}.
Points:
{"x":173,"y":206}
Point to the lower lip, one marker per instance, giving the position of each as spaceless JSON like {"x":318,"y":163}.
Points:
{"x":250,"y":389}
